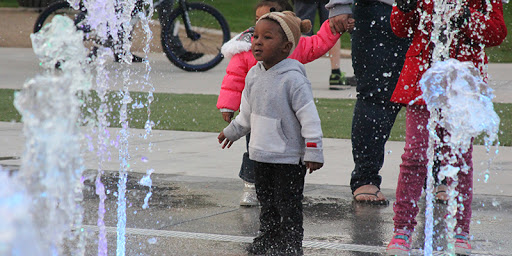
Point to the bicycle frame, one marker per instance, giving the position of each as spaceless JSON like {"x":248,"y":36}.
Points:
{"x":183,"y":6}
{"x":186,"y":21}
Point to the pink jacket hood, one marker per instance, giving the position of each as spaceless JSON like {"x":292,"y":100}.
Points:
{"x":242,"y":60}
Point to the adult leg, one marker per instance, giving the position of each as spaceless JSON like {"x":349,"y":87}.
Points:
{"x":335,"y":55}
{"x":377,"y":58}
{"x":305,"y":10}
{"x":371,"y":126}
{"x":337,"y":78}
{"x":334,"y":52}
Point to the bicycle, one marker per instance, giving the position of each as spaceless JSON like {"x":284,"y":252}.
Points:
{"x":191,"y":34}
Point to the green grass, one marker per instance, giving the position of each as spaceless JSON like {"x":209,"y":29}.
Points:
{"x":239,"y":14}
{"x":196,"y":112}
{"x":9,"y":3}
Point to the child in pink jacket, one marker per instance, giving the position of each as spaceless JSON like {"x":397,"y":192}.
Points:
{"x":239,"y":50}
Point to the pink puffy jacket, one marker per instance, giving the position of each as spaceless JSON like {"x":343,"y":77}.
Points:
{"x":308,"y":49}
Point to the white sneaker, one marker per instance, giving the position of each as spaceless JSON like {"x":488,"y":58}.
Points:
{"x":249,"y":197}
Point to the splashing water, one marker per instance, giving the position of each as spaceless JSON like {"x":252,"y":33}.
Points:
{"x":51,"y":164}
{"x":102,"y":85}
{"x":444,"y":33}
{"x":453,"y":86}
{"x":148,"y":126}
{"x":16,"y":225}
{"x":449,"y":87}
{"x":50,"y":107}
{"x":112,"y":23}
{"x":146,"y":181}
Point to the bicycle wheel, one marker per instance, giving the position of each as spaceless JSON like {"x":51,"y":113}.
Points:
{"x":198,"y":49}
{"x":57,"y":8}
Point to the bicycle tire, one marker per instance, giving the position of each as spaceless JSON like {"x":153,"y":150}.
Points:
{"x":52,"y":9}
{"x":211,"y":55}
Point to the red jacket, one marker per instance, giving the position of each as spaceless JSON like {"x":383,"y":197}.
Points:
{"x":478,"y":30}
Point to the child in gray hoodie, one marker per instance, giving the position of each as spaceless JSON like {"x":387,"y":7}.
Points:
{"x":286,"y":137}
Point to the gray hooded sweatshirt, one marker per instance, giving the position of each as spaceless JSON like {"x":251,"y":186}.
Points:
{"x":337,"y":7}
{"x":278,"y":110}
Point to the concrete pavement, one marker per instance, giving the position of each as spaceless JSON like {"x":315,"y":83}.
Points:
{"x":197,"y":190}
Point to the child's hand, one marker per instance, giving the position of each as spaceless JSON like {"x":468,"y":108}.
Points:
{"x":222,"y":138}
{"x":313,"y":166}
{"x":227,"y":116}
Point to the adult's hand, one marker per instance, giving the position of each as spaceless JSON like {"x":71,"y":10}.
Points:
{"x":351,"y":25}
{"x":339,"y":23}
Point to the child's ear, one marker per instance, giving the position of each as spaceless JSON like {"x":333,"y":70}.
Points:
{"x":287,"y":47}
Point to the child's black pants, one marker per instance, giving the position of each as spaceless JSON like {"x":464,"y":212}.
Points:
{"x":280,"y":190}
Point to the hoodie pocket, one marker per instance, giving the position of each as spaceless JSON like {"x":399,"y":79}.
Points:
{"x":267,"y":134}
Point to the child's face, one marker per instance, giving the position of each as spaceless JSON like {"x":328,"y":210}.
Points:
{"x":269,"y":43}
{"x":261,"y":11}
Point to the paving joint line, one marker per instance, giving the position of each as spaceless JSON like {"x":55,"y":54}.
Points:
{"x":200,"y":218}
{"x":247,"y":239}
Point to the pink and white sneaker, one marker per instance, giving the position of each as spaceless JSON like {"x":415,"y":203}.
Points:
{"x":462,"y":245}
{"x":400,"y":245}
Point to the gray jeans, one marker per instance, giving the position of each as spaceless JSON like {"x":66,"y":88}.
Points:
{"x":308,"y":9}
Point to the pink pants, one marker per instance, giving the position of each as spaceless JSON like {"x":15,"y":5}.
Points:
{"x":413,"y":171}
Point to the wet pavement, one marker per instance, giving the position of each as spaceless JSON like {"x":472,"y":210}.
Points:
{"x":191,"y":215}
{"x":194,"y":206}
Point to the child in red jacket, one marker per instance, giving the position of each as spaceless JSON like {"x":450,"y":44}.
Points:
{"x":478,"y":25}
{"x":238,"y":50}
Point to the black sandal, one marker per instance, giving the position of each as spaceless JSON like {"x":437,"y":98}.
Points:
{"x":373,"y":202}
